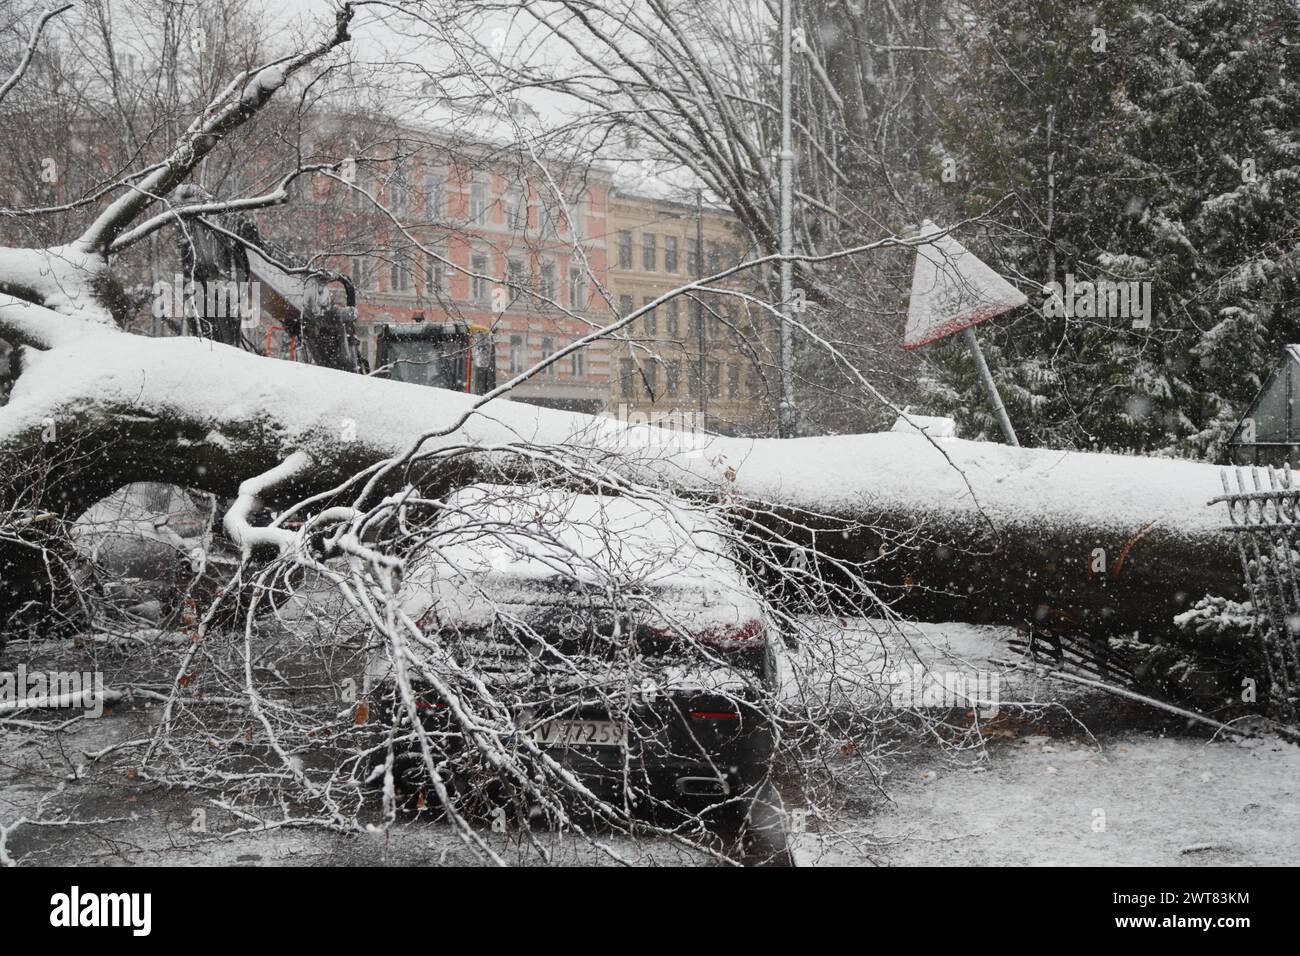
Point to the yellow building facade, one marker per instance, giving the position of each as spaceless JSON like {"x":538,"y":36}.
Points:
{"x":696,"y":361}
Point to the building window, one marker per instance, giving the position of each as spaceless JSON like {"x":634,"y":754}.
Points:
{"x":693,"y":255}
{"x":670,"y":253}
{"x":548,"y":349}
{"x":649,"y":252}
{"x":714,"y":324}
{"x":363,"y":272}
{"x":516,"y":210}
{"x":651,"y":319}
{"x":433,"y":196}
{"x":478,"y":202}
{"x":399,"y":194}
{"x":693,"y":380}
{"x":435,"y":274}
{"x":733,"y":381}
{"x":625,"y":376}
{"x":547,"y":281}
{"x":399,"y":278}
{"x":516,"y":354}
{"x":577,"y":288}
{"x":578,"y":364}
{"x":625,"y":306}
{"x":361,"y":186}
{"x":673,"y":378}
{"x":715,"y":262}
{"x":715,"y":380}
{"x":755,"y":383}
{"x":625,"y":249}
{"x":516,"y":277}
{"x":480,"y":283}
{"x":650,"y":372}
{"x":578,"y":217}
{"x":674,"y":309}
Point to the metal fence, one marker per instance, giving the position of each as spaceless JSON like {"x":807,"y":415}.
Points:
{"x":1264,"y":511}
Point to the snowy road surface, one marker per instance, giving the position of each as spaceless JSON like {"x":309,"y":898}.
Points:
{"x":1116,"y":786}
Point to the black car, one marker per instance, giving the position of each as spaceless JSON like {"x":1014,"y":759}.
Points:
{"x":615,"y":636}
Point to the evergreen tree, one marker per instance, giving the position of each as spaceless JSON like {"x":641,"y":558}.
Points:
{"x":1151,"y":142}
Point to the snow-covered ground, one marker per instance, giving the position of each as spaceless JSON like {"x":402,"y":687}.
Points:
{"x":1120,"y":799}
{"x":1087,"y":779}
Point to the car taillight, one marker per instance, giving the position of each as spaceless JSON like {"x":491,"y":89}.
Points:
{"x":715,"y":715}
{"x":748,"y":634}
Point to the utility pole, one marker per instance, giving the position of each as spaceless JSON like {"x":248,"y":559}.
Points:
{"x":1051,"y":196}
{"x":991,"y":387}
{"x":701,"y":385}
{"x":785,"y":426}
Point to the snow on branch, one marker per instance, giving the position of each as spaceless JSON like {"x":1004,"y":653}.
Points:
{"x":198,"y":203}
{"x":236,"y":104}
{"x":26,"y":61}
{"x":237,"y":523}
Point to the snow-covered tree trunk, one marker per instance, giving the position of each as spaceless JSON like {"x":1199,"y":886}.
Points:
{"x":957,"y":529}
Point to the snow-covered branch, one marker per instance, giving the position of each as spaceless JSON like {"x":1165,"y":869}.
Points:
{"x":235,"y":105}
{"x":21,"y":69}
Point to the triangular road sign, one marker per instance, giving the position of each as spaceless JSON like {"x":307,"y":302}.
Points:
{"x":952,"y":290}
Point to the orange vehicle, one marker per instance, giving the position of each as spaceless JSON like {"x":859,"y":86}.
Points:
{"x":440,"y":354}
{"x":300,"y":304}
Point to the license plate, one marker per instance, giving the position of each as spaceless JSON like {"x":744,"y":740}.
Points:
{"x":579,"y":733}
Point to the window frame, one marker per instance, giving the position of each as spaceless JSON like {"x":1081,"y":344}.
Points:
{"x":517,"y":354}
{"x":671,"y":264}
{"x":578,"y":285}
{"x":480,"y":279}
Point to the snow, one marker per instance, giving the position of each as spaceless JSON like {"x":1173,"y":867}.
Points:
{"x":1028,"y":795}
{"x":1032,"y":799}
{"x":1012,"y":486}
{"x":532,"y":532}
{"x":499,"y":545}
{"x":62,"y":275}
{"x":952,"y":290}
{"x":223,"y":391}
{"x":264,"y":84}
{"x":934,"y":426}
{"x":656,"y":179}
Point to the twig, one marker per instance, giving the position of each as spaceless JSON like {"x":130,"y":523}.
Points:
{"x":1151,"y":702}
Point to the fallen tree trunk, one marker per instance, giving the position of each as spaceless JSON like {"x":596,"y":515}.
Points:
{"x":952,"y":529}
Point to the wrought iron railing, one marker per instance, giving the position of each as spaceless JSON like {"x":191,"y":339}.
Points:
{"x":1264,"y":511}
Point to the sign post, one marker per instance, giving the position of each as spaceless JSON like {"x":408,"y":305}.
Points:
{"x":991,"y":387}
{"x":953,"y":291}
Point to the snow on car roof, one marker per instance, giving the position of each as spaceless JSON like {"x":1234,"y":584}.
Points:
{"x":502,"y":544}
{"x":534,"y":532}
